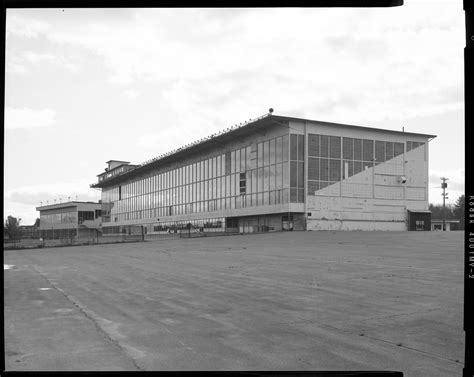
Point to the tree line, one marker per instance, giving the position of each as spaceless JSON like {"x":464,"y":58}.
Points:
{"x":451,"y":212}
{"x":12,"y":229}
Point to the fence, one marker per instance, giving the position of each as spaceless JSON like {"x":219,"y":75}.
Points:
{"x":71,"y":237}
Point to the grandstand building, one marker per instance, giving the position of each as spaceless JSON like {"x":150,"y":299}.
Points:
{"x":275,"y":173}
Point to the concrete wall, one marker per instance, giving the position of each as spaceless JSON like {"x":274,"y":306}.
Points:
{"x":348,"y":225}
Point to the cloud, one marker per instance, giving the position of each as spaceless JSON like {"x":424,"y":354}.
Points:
{"x":17,"y":118}
{"x":131,"y":94}
{"x":12,"y":67}
{"x":22,"y":202}
{"x":370,"y":55}
{"x":25,"y":25}
{"x":456,"y":185}
{"x":34,"y":194}
{"x":170,"y":138}
{"x":34,"y":57}
{"x":363,"y":49}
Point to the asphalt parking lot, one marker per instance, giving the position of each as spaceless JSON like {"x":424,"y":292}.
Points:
{"x":281,"y":301}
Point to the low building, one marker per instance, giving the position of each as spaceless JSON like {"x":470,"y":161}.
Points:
{"x":450,"y":225}
{"x":275,"y":173}
{"x":70,"y":220}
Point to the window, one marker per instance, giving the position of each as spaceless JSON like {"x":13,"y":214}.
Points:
{"x":297,"y":168}
{"x":85,"y":215}
{"x":227,"y":163}
{"x":379,"y":151}
{"x":420,"y":225}
{"x":301,"y":147}
{"x":335,"y":147}
{"x":367,"y":150}
{"x":259,"y":155}
{"x":313,"y":145}
{"x":293,"y":147}
{"x":266,"y":153}
{"x":242,"y":160}
{"x":242,"y":184}
{"x":398,"y":149}
{"x":324,"y":151}
{"x":388,"y":150}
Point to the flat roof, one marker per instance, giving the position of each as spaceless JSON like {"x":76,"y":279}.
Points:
{"x":63,"y":205}
{"x":125,"y":162}
{"x":264,"y":120}
{"x":108,"y":171}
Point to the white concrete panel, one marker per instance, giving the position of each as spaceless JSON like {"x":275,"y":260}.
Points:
{"x":394,"y":167}
{"x":356,"y":190}
{"x":416,"y":193}
{"x":389,"y":216}
{"x":388,"y":192}
{"x":387,"y":180}
{"x":316,"y":225}
{"x":417,"y":205}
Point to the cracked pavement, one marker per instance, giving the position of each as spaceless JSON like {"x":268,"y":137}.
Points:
{"x":282,"y":301}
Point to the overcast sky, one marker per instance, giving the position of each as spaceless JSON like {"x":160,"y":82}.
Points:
{"x":86,"y":86}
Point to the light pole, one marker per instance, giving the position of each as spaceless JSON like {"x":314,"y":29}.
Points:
{"x":444,"y":185}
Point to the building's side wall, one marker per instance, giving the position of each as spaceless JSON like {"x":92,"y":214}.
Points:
{"x":374,"y":198}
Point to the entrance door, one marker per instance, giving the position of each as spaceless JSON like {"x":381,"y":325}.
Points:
{"x":249,"y":225}
{"x":287,"y":222}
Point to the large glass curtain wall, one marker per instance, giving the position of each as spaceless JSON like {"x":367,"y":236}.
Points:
{"x":328,"y":163}
{"x":255,"y":175}
{"x":297,"y":168}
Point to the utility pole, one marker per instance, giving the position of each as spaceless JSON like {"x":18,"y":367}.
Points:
{"x":444,"y":185}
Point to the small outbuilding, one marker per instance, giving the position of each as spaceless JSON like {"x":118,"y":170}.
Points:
{"x":450,"y":225}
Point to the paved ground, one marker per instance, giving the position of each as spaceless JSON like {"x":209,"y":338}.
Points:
{"x":283,"y":301}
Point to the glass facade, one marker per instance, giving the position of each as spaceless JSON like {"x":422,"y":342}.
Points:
{"x":324,"y":161}
{"x":58,"y":218}
{"x":386,"y":150}
{"x":253,"y":175}
{"x":85,"y":215}
{"x":332,"y":158}
{"x":296,"y":168}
